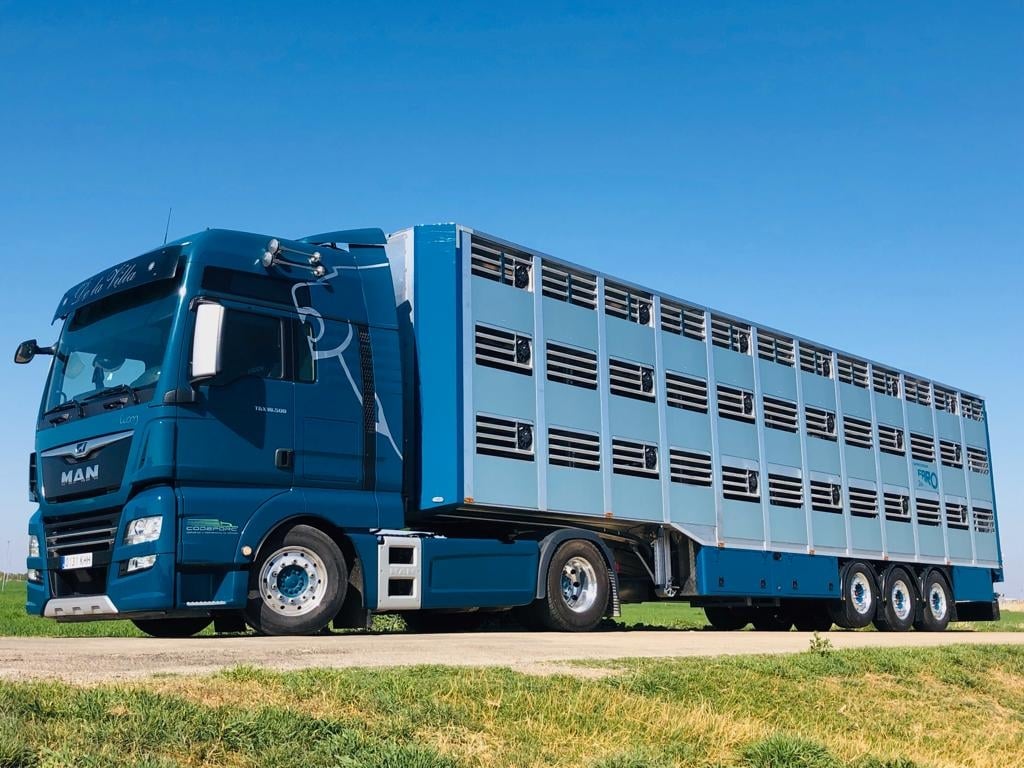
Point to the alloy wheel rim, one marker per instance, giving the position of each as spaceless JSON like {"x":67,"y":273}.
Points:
{"x":293,"y":581}
{"x":579,"y":584}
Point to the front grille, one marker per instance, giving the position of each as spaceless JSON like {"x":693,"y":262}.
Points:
{"x":92,"y":533}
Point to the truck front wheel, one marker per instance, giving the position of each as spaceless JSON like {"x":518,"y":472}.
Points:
{"x":297,"y":584}
{"x":577,"y":590}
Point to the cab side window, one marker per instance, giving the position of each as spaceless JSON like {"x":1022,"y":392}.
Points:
{"x":253,"y":345}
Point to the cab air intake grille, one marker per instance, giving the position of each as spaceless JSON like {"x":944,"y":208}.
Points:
{"x":569,"y":365}
{"x":734,"y":403}
{"x":93,"y":533}
{"x":634,"y":458}
{"x":576,"y":450}
{"x":682,"y":320}
{"x":508,"y":351}
{"x":686,"y":392}
{"x":493,"y":262}
{"x":507,"y":438}
{"x":690,"y":467}
{"x":631,"y":379}
{"x":780,"y":414}
{"x":569,"y":286}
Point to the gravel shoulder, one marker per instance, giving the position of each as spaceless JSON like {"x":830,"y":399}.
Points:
{"x":90,"y":660}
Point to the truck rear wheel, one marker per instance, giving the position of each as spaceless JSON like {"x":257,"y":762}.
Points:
{"x":297,"y":584}
{"x":860,"y":597}
{"x":173,"y":628}
{"x":900,"y":607}
{"x":726,"y":619}
{"x":810,"y":616}
{"x":937,"y":602}
{"x":577,"y":590}
{"x":772,"y":620}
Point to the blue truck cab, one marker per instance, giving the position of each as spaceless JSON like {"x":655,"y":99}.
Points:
{"x":245,"y":429}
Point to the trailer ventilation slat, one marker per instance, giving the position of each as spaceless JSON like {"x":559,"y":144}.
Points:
{"x":686,"y":392}
{"x":945,"y":400}
{"x":852,"y":371}
{"x":631,"y":379}
{"x":886,"y":382}
{"x":785,"y":490}
{"x":890,"y":439}
{"x":630,"y":457}
{"x":984,"y":520}
{"x":928,"y":511}
{"x":507,"y":438}
{"x":777,"y":349}
{"x":918,"y":390}
{"x":977,"y":460}
{"x":576,"y":450}
{"x":627,"y":304}
{"x":690,"y":467}
{"x":740,"y":483}
{"x":858,"y":432}
{"x":498,"y":348}
{"x":735,"y":403}
{"x":897,"y":506}
{"x":820,"y":423}
{"x":826,"y":497}
{"x":922,"y":447}
{"x":570,"y":365}
{"x":952,"y":454}
{"x":973,"y":408}
{"x":682,"y":320}
{"x":568,"y":285}
{"x":780,"y":414}
{"x":503,"y":265}
{"x":956,"y":515}
{"x":863,"y":501}
{"x":815,"y":360}
{"x":729,"y":335}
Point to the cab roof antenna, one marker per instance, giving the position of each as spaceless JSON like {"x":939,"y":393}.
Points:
{"x":168,"y":227}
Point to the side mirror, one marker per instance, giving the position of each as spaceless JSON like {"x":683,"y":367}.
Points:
{"x":28,"y":350}
{"x":206,"y":342}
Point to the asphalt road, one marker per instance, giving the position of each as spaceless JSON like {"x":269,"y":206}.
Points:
{"x":86,"y":660}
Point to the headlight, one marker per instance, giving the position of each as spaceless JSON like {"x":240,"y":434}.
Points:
{"x":33,"y":545}
{"x":140,"y":563}
{"x":143,"y":529}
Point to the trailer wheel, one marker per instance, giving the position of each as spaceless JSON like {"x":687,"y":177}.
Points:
{"x":772,"y":620}
{"x":726,"y":619}
{"x":577,"y":590}
{"x":937,"y":603}
{"x":173,"y":628}
{"x":297,"y":584}
{"x":900,"y":606}
{"x":860,"y":597}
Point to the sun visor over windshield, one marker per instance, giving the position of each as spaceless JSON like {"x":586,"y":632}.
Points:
{"x":148,"y":268}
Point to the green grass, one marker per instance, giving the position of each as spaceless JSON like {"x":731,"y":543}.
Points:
{"x":15,"y":622}
{"x":931,"y":708}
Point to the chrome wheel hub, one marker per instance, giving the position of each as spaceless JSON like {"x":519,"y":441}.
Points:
{"x":293,"y":581}
{"x":860,"y":594}
{"x":900,"y":599}
{"x":579,"y":584}
{"x":937,"y":602}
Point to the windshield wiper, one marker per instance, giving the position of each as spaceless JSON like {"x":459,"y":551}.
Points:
{"x":120,"y":389}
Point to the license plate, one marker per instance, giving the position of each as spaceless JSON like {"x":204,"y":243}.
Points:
{"x":70,"y":562}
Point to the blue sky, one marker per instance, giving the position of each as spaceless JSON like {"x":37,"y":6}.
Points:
{"x":854,"y":174}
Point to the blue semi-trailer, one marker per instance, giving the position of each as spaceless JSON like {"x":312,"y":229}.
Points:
{"x":250,"y":430}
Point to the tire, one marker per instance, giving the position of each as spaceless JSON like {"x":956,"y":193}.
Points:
{"x":297,"y":584}
{"x":859,"y":603}
{"x":899,"y":604}
{"x":577,"y":590}
{"x":772,"y":620}
{"x":936,"y":603}
{"x":426,"y":622}
{"x":811,"y":616}
{"x":726,"y":619}
{"x":173,"y":628}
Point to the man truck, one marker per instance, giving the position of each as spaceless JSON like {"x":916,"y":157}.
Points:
{"x":242,"y":429}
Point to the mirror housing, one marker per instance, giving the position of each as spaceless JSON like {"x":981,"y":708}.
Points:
{"x":206,"y":342}
{"x":28,"y":350}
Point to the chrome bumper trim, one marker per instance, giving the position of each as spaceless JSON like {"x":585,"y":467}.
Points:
{"x":75,"y":607}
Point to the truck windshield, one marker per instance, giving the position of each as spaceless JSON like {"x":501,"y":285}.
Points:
{"x":114,"y":344}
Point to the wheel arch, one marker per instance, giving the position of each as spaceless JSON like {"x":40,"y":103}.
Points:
{"x":320,"y":523}
{"x":550,"y":544}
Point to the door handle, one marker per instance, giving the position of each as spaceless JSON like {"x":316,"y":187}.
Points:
{"x":284,"y":458}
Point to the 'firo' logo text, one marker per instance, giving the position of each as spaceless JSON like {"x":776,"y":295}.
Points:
{"x":929,"y":478}
{"x":80,"y":475}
